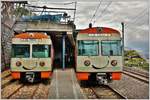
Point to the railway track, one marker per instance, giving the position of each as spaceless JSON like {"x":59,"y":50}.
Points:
{"x":106,"y":92}
{"x":136,"y":75}
{"x":6,"y":78}
{"x":95,"y":91}
{"x":6,"y":81}
{"x":14,"y":89}
{"x":5,"y":73}
{"x":18,"y":90}
{"x":136,"y":71}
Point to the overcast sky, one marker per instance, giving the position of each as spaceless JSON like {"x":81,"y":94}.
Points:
{"x":134,"y":13}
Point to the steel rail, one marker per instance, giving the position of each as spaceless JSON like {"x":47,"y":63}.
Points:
{"x":15,"y":91}
{"x":108,"y":87}
{"x":136,"y":76}
{"x":136,"y":73}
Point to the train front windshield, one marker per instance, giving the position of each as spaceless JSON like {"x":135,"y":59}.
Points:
{"x":23,"y":51}
{"x":41,"y":51}
{"x":91,"y":48}
{"x":88,"y":48}
{"x":20,"y":51}
{"x":111,"y":48}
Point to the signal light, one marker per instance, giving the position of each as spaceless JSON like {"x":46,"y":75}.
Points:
{"x":87,"y":62}
{"x":114,"y":62}
{"x":42,"y":63}
{"x":18,"y":63}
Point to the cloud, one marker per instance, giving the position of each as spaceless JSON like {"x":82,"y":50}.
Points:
{"x":134,"y":13}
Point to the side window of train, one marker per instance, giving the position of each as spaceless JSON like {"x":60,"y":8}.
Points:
{"x":111,"y":48}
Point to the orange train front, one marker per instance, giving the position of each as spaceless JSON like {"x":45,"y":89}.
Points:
{"x":32,"y":56}
{"x":99,"y":54}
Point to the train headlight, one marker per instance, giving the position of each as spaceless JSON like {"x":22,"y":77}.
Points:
{"x":87,"y":62}
{"x":114,"y":62}
{"x":42,"y":63}
{"x":18,"y":63}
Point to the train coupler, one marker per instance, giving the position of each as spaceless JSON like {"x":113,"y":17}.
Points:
{"x":30,"y":77}
{"x":101,"y":78}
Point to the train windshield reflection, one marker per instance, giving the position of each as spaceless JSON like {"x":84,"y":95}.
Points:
{"x":111,"y":48}
{"x":20,"y":51}
{"x":88,"y":48}
{"x":41,"y":51}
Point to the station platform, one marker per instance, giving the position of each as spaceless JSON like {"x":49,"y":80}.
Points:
{"x":64,"y":85}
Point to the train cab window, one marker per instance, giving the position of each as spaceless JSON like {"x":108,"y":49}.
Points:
{"x":111,"y":48}
{"x":20,"y":51}
{"x":41,"y":51}
{"x":88,"y":47}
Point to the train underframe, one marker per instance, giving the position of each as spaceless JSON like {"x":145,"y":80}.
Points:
{"x":100,"y":78}
{"x":31,"y":76}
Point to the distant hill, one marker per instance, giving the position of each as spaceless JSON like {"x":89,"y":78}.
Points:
{"x":127,"y":48}
{"x":134,"y":58}
{"x":144,"y":55}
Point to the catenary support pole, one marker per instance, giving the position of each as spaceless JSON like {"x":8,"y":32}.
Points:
{"x":122,"y":23}
{"x":63,"y":51}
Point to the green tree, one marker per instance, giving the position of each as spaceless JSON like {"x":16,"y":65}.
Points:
{"x":19,"y":11}
{"x":132,"y":58}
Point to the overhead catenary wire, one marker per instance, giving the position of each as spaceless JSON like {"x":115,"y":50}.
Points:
{"x":96,"y":10}
{"x":58,"y":9}
{"x":140,"y":20}
{"x":55,"y":3}
{"x":133,"y":29}
{"x":45,"y":7}
{"x":103,"y":11}
{"x":139,"y":15}
{"x":138,"y":31}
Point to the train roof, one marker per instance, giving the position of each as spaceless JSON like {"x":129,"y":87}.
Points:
{"x":33,"y":35}
{"x":99,"y":30}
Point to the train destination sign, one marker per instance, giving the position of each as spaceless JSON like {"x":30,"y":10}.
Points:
{"x":30,"y":40}
{"x":99,"y":35}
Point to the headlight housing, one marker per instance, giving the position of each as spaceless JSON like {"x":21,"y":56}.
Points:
{"x":42,"y":63}
{"x":114,"y":62}
{"x":87,"y":62}
{"x":18,"y":63}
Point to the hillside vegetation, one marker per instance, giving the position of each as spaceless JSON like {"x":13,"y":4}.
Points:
{"x":133,"y":59}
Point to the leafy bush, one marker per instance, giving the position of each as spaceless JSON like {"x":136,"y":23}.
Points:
{"x":132,"y":58}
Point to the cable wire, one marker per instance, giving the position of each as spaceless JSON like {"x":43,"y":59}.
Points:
{"x":103,"y":11}
{"x":141,"y":14}
{"x":96,"y":10}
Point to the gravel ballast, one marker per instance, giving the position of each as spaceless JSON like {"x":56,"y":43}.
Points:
{"x":131,"y":88}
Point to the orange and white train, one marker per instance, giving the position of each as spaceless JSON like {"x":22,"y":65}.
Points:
{"x":99,"y":54}
{"x":32,"y":56}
